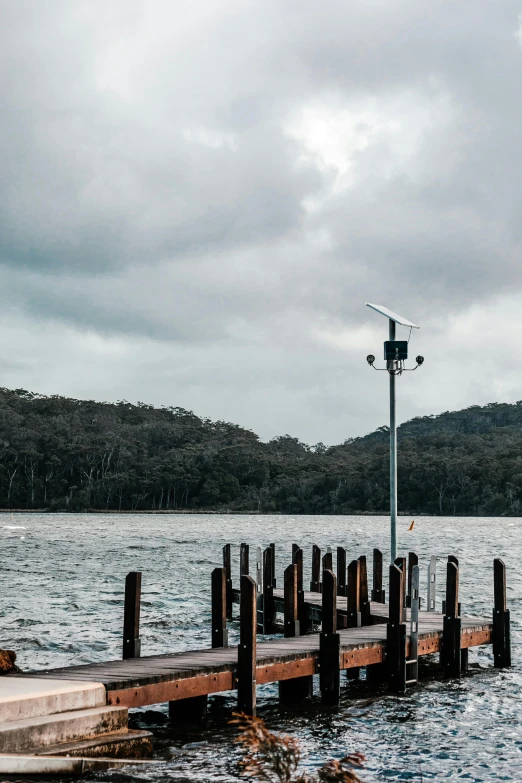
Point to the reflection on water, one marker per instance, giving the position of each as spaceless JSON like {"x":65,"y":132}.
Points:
{"x":61,"y":583}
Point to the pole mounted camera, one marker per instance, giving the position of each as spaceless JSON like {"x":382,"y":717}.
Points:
{"x":395,"y":355}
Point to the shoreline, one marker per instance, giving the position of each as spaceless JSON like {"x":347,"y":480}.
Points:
{"x":191,"y":512}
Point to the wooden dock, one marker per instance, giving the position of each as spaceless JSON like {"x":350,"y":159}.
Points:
{"x":338,"y":625}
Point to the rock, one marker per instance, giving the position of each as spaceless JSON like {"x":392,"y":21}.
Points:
{"x":7,"y":662}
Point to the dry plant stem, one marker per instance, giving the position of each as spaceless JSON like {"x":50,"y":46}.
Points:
{"x":274,"y":758}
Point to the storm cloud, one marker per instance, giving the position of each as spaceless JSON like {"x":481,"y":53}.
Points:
{"x":196,"y":200}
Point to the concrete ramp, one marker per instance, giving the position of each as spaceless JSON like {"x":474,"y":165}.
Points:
{"x":22,"y":698}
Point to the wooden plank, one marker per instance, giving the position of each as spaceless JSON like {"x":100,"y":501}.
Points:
{"x":131,"y":616}
{"x":170,"y":691}
{"x":278,"y":672}
{"x":364,"y":656}
{"x":247,"y":649}
{"x":219,"y":608}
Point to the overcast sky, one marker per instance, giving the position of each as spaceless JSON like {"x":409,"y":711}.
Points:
{"x":197,"y":198}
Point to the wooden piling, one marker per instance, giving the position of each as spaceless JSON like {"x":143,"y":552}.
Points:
{"x":244,"y":555}
{"x":247,"y":648}
{"x":315,"y":584}
{"x":219,"y":608}
{"x":297,"y":689}
{"x":269,"y":612}
{"x":188,"y":711}
{"x":354,"y":595}
{"x":227,"y":565}
{"x":432,"y":585}
{"x":451,"y":633}
{"x":396,"y":632}
{"x":401,"y":563}
{"x":273,"y":548}
{"x":329,"y":643}
{"x":341,"y":570}
{"x":378,"y":594}
{"x":291,"y":626}
{"x":413,"y":561}
{"x":302,"y":614}
{"x":501,"y":619}
{"x":131,"y":616}
{"x":328,"y":561}
{"x":366,"y":614}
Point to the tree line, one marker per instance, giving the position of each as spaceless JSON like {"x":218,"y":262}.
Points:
{"x":62,"y":454}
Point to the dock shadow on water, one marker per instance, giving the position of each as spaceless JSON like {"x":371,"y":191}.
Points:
{"x":63,"y":605}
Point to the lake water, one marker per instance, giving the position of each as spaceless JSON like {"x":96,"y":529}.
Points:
{"x":61,"y":588}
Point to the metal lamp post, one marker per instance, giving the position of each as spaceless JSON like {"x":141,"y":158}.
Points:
{"x":395,"y":353}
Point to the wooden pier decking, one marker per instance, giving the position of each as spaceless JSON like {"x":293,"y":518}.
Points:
{"x":338,"y":625}
{"x":161,"y":678}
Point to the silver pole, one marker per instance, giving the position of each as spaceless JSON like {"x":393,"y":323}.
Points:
{"x":393,"y":455}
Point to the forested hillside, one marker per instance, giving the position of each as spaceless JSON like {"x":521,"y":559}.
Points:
{"x":63,"y":454}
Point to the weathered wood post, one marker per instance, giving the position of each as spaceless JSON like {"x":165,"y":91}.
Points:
{"x":315,"y":584}
{"x":269,"y":611}
{"x":328,"y":561}
{"x":396,"y":632}
{"x":302,"y":614}
{"x":247,"y":648}
{"x":412,"y":663}
{"x":413,"y":561}
{"x":329,"y":643}
{"x":244,"y":556}
{"x":227,"y":565}
{"x":432,"y":585}
{"x":341,"y":570}
{"x":273,"y":548}
{"x":366,"y":614}
{"x":259,"y":569}
{"x":290,"y":599}
{"x":401,"y":563}
{"x":297,"y":689}
{"x":378,"y":594}
{"x":219,"y":608}
{"x":131,"y":616}
{"x":501,"y":621}
{"x":451,"y":633}
{"x":295,"y":547}
{"x":354,"y":594}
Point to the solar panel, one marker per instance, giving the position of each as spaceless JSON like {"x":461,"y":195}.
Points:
{"x":392,"y":316}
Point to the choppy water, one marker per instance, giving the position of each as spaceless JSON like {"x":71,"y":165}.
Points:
{"x":61,"y":588}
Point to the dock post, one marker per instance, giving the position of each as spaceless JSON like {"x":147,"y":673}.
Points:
{"x":268,"y":592}
{"x":432,"y":584}
{"x":413,"y":560}
{"x":328,"y":560}
{"x":315,"y":584}
{"x":378,"y":594}
{"x":396,"y":632}
{"x":401,"y":563}
{"x":131,"y":616}
{"x":302,"y":614}
{"x":290,"y":598}
{"x":341,"y":570}
{"x":227,"y":565}
{"x":219,"y":608}
{"x":451,"y":633}
{"x":272,"y":547}
{"x":259,"y":569}
{"x":354,"y":595}
{"x":412,"y":663}
{"x":501,"y":621}
{"x":244,"y":554}
{"x":329,"y":643}
{"x":366,"y":614}
{"x":247,"y":648}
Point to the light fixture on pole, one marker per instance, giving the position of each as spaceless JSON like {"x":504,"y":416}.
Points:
{"x":395,"y":354}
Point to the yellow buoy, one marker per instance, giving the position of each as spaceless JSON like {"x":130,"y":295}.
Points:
{"x":412,"y":524}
